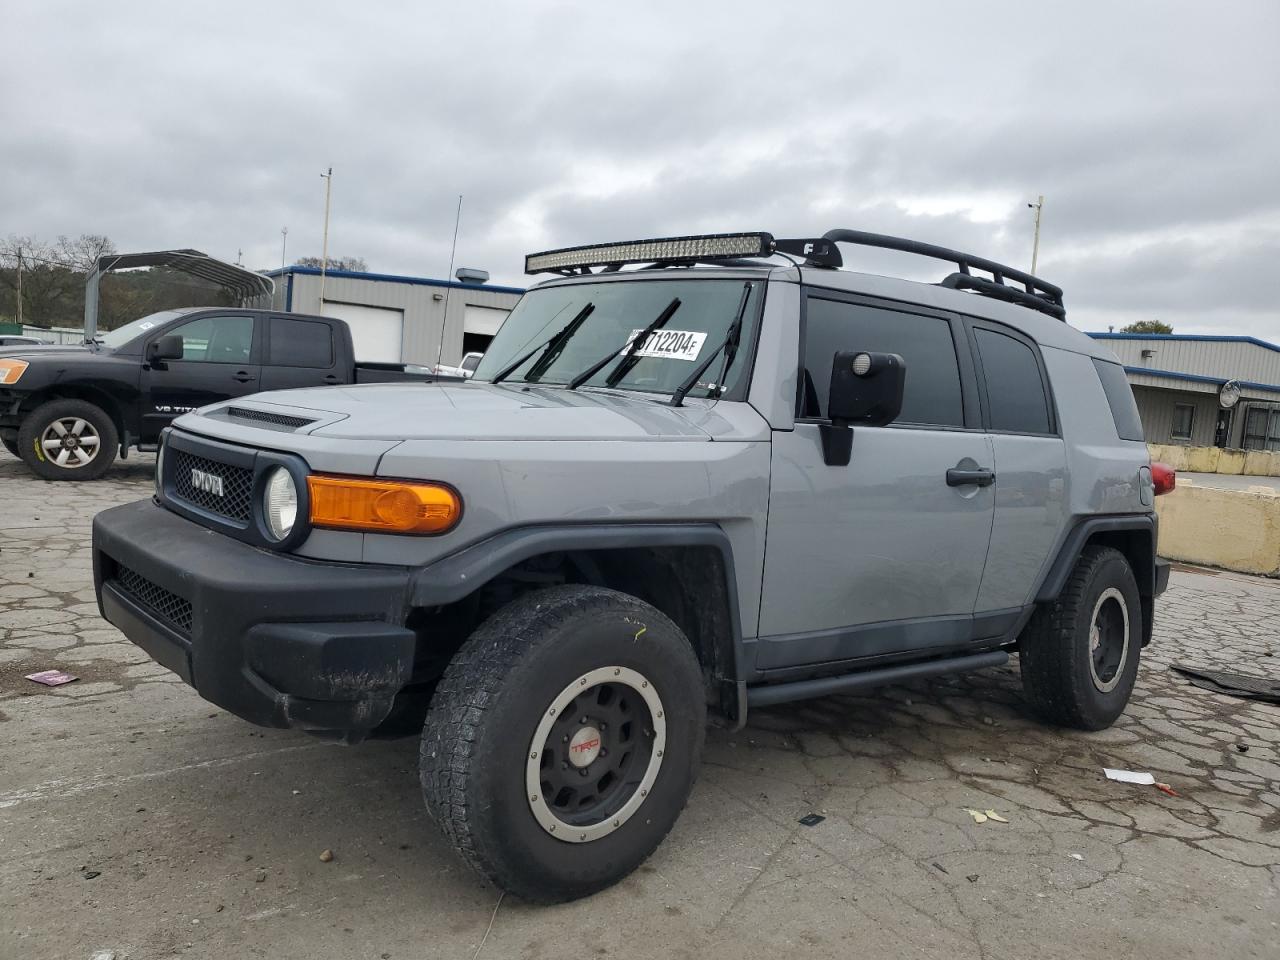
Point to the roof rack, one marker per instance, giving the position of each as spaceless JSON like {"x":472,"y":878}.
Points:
{"x":1036,"y":294}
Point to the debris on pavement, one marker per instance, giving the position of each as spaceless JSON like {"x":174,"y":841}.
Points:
{"x":992,"y":815}
{"x":326,"y":856}
{"x":940,"y":867}
{"x":1232,"y":684}
{"x":90,"y":874}
{"x":1129,"y":776}
{"x":51,"y":678}
{"x":1076,"y":856}
{"x":1165,"y":788}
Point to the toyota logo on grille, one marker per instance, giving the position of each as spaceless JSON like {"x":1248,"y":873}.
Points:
{"x":208,"y":482}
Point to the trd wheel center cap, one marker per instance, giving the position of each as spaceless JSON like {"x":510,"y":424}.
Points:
{"x":584,"y":747}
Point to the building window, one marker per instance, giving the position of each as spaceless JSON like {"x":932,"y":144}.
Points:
{"x":1262,"y":428}
{"x":1184,"y":415}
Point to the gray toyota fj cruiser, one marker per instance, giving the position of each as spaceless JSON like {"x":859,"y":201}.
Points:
{"x":732,"y":477}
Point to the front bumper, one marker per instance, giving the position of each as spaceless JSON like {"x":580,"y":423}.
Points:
{"x":279,"y":641}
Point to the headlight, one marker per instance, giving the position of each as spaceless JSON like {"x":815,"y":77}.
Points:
{"x":11,"y":371}
{"x":280,"y":502}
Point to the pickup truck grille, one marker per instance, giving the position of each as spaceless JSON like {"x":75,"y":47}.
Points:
{"x":192,"y":485}
{"x":156,"y":599}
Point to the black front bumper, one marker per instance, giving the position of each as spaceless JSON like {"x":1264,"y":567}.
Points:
{"x":277,"y":640}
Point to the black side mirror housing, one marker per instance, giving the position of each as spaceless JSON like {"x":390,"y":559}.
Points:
{"x":866,"y":388}
{"x":168,"y":347}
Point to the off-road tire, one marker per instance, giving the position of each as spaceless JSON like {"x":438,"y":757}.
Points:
{"x":1055,"y":649}
{"x":487,"y":710}
{"x":33,"y":431}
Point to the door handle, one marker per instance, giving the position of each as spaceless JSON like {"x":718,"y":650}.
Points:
{"x":242,"y":377}
{"x":960,"y":477}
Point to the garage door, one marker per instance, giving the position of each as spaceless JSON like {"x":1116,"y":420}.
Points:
{"x":482,"y":320}
{"x":375,"y":331}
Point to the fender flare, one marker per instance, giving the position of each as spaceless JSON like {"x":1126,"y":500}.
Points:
{"x":1055,"y":577}
{"x":459,"y":574}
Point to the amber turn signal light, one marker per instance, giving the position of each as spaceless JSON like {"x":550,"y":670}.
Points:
{"x":11,"y":370}
{"x":382,"y":506}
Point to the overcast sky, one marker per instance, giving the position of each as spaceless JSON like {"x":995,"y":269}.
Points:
{"x":1152,"y":129}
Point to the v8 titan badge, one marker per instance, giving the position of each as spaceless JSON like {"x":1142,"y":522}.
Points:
{"x":669,"y":344}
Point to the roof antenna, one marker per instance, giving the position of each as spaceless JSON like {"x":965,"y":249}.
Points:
{"x":444,"y":322}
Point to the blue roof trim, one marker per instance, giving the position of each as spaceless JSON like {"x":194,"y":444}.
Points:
{"x":392,"y":278}
{"x":1209,"y":338}
{"x":1197,"y":378}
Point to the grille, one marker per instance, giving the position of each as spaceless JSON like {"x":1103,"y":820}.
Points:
{"x":165,"y":605}
{"x":237,"y":485}
{"x":264,"y":416}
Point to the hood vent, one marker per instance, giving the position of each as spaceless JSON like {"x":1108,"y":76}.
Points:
{"x":265,"y":416}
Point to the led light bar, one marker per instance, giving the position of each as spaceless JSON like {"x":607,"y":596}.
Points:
{"x":717,"y":246}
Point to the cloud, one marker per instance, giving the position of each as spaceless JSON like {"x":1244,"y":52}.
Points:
{"x":1148,"y":127}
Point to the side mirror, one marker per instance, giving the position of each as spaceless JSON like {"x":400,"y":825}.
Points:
{"x":165,"y":348}
{"x":866,"y":388}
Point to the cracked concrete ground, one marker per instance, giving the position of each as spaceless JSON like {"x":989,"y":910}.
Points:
{"x":136,"y":818}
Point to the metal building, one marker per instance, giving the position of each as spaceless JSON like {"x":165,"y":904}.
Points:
{"x":1203,"y":390}
{"x":397,"y":319}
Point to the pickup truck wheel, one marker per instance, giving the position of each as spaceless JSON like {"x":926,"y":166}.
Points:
{"x":563,"y":741}
{"x":1079,"y":655}
{"x":68,"y":440}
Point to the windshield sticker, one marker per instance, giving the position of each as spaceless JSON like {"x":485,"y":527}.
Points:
{"x":669,"y":344}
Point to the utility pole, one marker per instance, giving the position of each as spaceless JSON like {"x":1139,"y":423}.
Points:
{"x":239,"y":256}
{"x":324,"y":247}
{"x":19,"y":288}
{"x":1035,"y":247}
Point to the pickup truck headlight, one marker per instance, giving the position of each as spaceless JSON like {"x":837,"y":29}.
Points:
{"x":280,"y":502}
{"x":11,"y":371}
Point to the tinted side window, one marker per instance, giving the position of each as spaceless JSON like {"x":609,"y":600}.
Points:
{"x":300,"y":343}
{"x":932,"y":393}
{"x":1015,"y":391}
{"x":1124,"y":409}
{"x":216,"y":339}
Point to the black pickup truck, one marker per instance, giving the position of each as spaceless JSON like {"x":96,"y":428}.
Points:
{"x":67,"y":410}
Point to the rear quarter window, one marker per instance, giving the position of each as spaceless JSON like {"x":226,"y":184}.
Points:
{"x":1124,"y":409}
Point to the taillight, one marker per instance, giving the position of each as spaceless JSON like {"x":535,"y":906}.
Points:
{"x":1163,"y":477}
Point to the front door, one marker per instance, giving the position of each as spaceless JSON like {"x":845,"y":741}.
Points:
{"x":219,"y":361}
{"x":885,"y":555}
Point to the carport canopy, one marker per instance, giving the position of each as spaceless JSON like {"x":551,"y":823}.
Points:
{"x":244,"y":283}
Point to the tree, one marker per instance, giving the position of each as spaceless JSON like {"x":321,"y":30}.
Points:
{"x":1147,"y":326}
{"x":354,"y":264}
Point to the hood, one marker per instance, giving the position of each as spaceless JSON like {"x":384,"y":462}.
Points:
{"x":483,"y":411}
{"x":28,"y":351}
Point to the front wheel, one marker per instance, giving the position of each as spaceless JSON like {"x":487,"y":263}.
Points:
{"x":563,"y":741}
{"x":68,"y":440}
{"x":1079,"y":654}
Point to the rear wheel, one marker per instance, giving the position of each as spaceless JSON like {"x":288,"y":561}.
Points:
{"x":1079,"y":655}
{"x":68,"y":440}
{"x":563,"y":741}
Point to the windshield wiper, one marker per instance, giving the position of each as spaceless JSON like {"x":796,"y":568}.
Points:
{"x":630,"y":358}
{"x":552,"y":348}
{"x":730,"y":347}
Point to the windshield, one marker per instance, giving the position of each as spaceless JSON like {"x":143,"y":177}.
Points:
{"x":621,"y":310}
{"x":122,"y":335}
